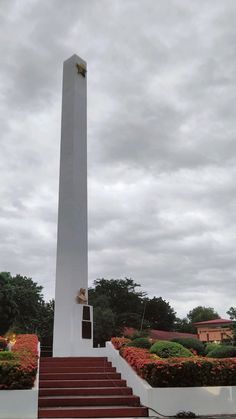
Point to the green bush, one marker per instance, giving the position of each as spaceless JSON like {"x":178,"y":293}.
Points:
{"x":167,"y":349}
{"x":140,"y":343}
{"x":6,"y":355}
{"x":210,"y":346}
{"x":222,"y":351}
{"x":191,"y":343}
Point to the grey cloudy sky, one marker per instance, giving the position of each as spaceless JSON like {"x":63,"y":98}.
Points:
{"x":161,"y":142}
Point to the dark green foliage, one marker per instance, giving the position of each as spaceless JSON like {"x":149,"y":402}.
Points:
{"x":6,"y":355}
{"x":140,"y":334}
{"x":210,"y":346}
{"x":167,"y":349}
{"x":222,"y":351}
{"x":129,"y":307}
{"x":160,"y":314}
{"x":22,"y":307}
{"x":8,"y":306}
{"x":184,"y":326}
{"x":201,"y":314}
{"x":191,"y":343}
{"x":232,"y":313}
{"x":104,"y":325}
{"x":140,"y":343}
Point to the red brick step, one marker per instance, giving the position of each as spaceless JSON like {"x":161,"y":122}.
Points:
{"x":94,"y":412}
{"x":88,"y":401}
{"x":84,"y":388}
{"x":85,"y":391}
{"x":80,"y":376}
{"x":81,"y":383}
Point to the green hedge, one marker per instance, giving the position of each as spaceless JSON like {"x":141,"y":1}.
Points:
{"x":191,"y":343}
{"x":222,"y":351}
{"x":210,"y":346}
{"x":6,"y":355}
{"x":140,"y":343}
{"x":167,"y":349}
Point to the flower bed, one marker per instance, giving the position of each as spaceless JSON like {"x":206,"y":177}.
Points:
{"x":180,"y":372}
{"x":119,"y":342}
{"x":20,"y":372}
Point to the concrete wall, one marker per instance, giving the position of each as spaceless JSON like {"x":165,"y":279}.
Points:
{"x":169,"y":401}
{"x":19,"y":404}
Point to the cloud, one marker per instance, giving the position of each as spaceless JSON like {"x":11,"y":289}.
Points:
{"x":161,"y":142}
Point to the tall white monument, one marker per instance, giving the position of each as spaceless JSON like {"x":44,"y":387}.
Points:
{"x":73,"y":318}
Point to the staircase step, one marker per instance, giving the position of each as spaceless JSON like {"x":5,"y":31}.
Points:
{"x":75,"y":361}
{"x":85,"y":391}
{"x":94,"y":412}
{"x":81,"y":383}
{"x":80,"y":376}
{"x":64,"y":369}
{"x":75,"y":358}
{"x":59,"y":401}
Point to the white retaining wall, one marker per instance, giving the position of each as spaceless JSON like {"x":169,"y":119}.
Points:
{"x":169,"y":401}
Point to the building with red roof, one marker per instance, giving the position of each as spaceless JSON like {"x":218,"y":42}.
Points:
{"x":217,"y":330}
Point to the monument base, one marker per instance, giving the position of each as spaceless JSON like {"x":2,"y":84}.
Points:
{"x":78,"y":339}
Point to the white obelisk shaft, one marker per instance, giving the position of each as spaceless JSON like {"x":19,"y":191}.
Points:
{"x":72,"y":253}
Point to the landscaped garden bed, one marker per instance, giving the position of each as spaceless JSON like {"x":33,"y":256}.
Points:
{"x":184,"y":371}
{"x":170,"y":385}
{"x":18,"y":368}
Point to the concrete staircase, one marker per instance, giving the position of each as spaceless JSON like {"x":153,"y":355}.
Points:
{"x":84,"y":388}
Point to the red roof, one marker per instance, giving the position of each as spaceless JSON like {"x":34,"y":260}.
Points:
{"x":160,"y":334}
{"x":166,"y":335}
{"x":215,"y":321}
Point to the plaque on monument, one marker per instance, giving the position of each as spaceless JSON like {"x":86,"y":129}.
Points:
{"x":86,"y":330}
{"x":86,"y":313}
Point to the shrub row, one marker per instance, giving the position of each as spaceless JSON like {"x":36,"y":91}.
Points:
{"x":181,"y":372}
{"x":20,"y":371}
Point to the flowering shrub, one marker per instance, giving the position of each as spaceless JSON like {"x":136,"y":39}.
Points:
{"x":180,"y":372}
{"x":20,"y":372}
{"x":119,"y":342}
{"x":137,"y":357}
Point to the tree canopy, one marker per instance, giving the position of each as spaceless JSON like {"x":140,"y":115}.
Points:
{"x":130,"y":307}
{"x":201,"y":314}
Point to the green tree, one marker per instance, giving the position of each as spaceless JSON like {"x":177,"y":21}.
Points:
{"x":22,"y":307}
{"x":184,"y":326}
{"x":119,"y":297}
{"x":29,"y":301}
{"x":8,"y":307}
{"x":232,"y":313}
{"x":121,"y":294}
{"x":201,"y":314}
{"x":160,"y":314}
